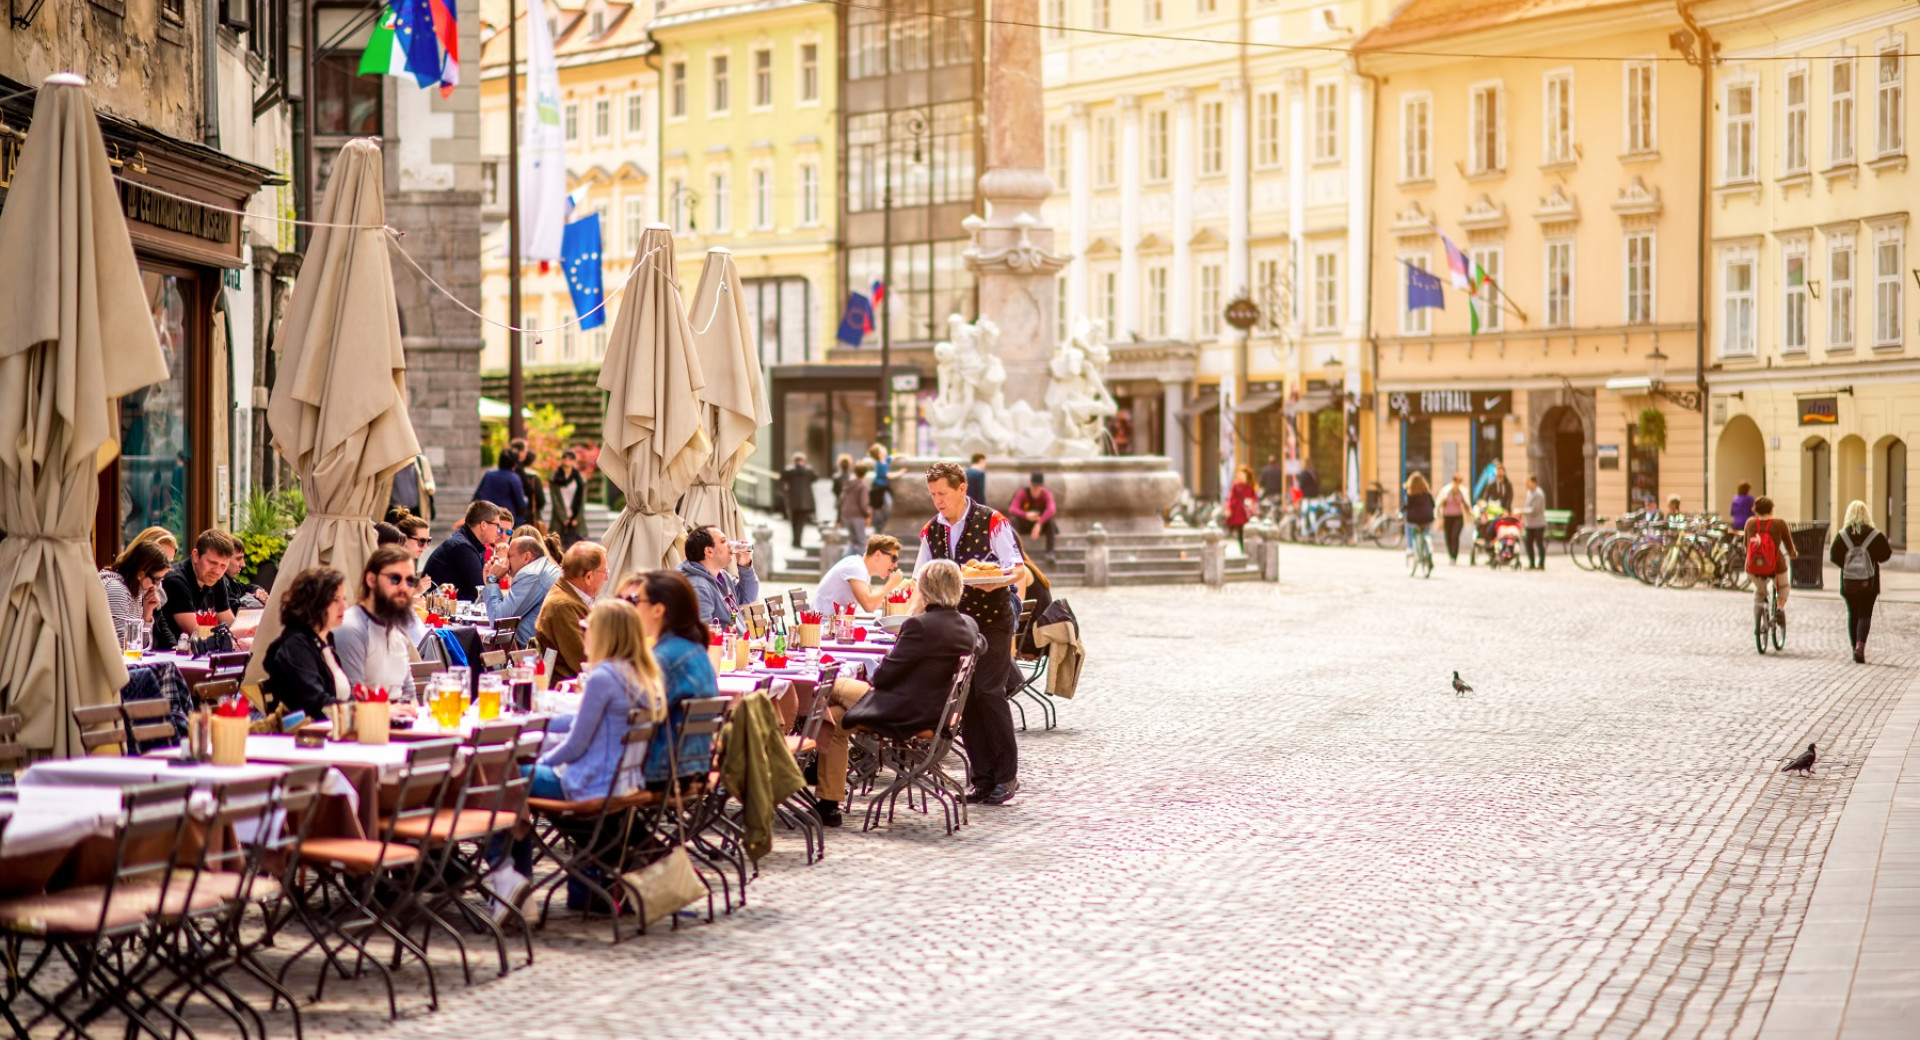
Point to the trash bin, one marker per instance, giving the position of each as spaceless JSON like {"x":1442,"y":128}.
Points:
{"x":1808,"y":571}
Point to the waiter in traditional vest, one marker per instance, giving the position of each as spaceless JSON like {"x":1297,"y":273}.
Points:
{"x":963,"y":530}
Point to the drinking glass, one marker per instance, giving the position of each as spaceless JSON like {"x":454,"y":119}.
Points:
{"x":492,"y":688}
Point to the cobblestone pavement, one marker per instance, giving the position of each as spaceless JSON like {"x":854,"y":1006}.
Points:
{"x":1268,"y":816}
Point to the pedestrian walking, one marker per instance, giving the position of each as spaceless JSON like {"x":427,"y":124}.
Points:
{"x":977,"y":478}
{"x":1417,"y":511}
{"x":842,"y":472}
{"x":1858,"y":551}
{"x":1741,"y":508}
{"x":856,"y":505}
{"x":1501,"y":489}
{"x":1536,"y":513}
{"x":531,"y":485}
{"x":1273,"y":480}
{"x":1455,"y":504}
{"x":1307,"y":482}
{"x":502,"y":487}
{"x":1242,"y":503}
{"x":1033,"y":509}
{"x":880,"y":487}
{"x":569,"y":501}
{"x":796,"y":495}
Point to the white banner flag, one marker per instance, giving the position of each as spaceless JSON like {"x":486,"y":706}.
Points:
{"x":543,"y":147}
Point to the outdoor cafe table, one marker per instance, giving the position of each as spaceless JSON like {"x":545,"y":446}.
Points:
{"x":365,"y":766}
{"x":45,"y":823}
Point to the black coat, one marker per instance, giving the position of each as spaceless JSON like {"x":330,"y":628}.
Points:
{"x":298,"y":678}
{"x":796,"y":492}
{"x":1879,"y":550}
{"x":459,"y":561}
{"x":912,"y":684}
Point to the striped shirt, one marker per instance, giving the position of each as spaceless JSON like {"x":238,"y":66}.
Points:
{"x":126,"y":613}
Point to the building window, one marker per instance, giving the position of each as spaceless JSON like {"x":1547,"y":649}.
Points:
{"x":1416,"y":137}
{"x":1557,"y":113}
{"x":1326,"y":122}
{"x":1738,"y":123}
{"x":570,"y":120}
{"x":1266,"y":129}
{"x":677,"y":91}
{"x":720,"y":96}
{"x":763,"y":79}
{"x":1793,"y":318}
{"x":1889,"y":255}
{"x":637,"y":114}
{"x":1057,"y":155}
{"x":1560,"y":283}
{"x":1736,"y":295}
{"x":1840,"y":292}
{"x":1639,"y":278}
{"x":866,"y":41}
{"x":1487,"y":148}
{"x":1492,"y":314}
{"x":602,"y":119}
{"x":1210,"y":302}
{"x":1056,"y":19}
{"x":1157,"y":302}
{"x":569,"y":341}
{"x":1794,"y":132}
{"x":1890,"y":103}
{"x":596,"y":24}
{"x":1159,"y":143}
{"x":345,"y":103}
{"x":809,"y":72}
{"x":1640,"y":108}
{"x":763,"y":199}
{"x":1414,"y":321}
{"x":1840,"y":110}
{"x":809,"y":194}
{"x":678,"y":209}
{"x":1213,"y":137}
{"x":1205,"y":6}
{"x":720,"y":197}
{"x":1110,"y":301}
{"x":1102,"y":14}
{"x":1266,"y":280}
{"x":1153,"y":11}
{"x":1106,"y":151}
{"x":1326,"y":290}
{"x":635,"y":224}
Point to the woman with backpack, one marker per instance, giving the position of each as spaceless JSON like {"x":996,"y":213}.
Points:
{"x":1769,"y":547}
{"x":1858,"y":552}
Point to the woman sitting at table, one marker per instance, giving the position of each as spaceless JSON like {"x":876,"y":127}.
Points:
{"x":302,"y":673}
{"x":670,"y":615}
{"x":161,"y":538}
{"x":621,"y":675}
{"x":133,"y":588}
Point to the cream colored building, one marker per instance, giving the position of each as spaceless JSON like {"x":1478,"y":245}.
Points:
{"x":1189,"y":173}
{"x":609,"y":103}
{"x":1573,"y":183}
{"x":1815,"y":378}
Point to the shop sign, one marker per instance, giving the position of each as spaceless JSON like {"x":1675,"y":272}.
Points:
{"x":1819,"y":411}
{"x":1243,"y":314}
{"x":906,"y":382}
{"x":1607,"y":456}
{"x":1410,"y":404}
{"x":179,"y":215}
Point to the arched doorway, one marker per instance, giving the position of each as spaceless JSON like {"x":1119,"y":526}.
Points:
{"x":1890,"y":485}
{"x":1739,"y":456}
{"x":1563,"y":442}
{"x":1816,"y":481}
{"x":1849,"y":474}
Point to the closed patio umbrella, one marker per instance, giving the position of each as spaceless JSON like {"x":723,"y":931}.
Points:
{"x":735,"y":400}
{"x":338,"y":412}
{"x":653,"y":443}
{"x":76,"y":335}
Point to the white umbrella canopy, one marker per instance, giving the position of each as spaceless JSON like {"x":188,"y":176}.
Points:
{"x":338,"y":412}
{"x":735,"y":399}
{"x":77,"y":335}
{"x":653,"y":442}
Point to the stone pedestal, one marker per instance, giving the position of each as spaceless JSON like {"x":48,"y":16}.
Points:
{"x":1213,"y":556}
{"x":1256,"y":535}
{"x":833,"y":545}
{"x":1098,"y":565}
{"x":1270,"y":561}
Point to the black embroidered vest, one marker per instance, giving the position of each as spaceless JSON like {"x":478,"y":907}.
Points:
{"x":989,"y":608}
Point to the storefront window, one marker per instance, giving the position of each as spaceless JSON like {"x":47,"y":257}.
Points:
{"x":1643,"y":472}
{"x":1416,"y":449}
{"x":155,"y":442}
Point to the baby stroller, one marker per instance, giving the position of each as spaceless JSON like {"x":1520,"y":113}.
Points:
{"x":1496,"y":537}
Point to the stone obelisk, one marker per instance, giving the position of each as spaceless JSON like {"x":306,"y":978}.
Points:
{"x":1012,"y":251}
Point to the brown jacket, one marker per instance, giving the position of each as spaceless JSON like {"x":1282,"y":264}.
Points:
{"x":559,"y":629}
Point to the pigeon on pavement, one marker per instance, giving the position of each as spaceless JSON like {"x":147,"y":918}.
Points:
{"x":1803,"y":764}
{"x":1459,"y":685}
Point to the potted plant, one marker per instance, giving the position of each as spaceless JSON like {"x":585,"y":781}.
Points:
{"x":1651,"y":428}
{"x":265,"y":529}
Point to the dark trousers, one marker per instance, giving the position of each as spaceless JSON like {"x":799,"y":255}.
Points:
{"x":993,"y":753}
{"x":1537,"y":547}
{"x":801,"y":521}
{"x":1026,"y":526}
{"x":1451,"y":525}
{"x":1859,"y":613}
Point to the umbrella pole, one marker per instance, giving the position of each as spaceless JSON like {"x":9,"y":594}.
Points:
{"x":516,"y":390}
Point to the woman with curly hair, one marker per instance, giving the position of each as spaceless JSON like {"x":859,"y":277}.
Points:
{"x":302,"y":673}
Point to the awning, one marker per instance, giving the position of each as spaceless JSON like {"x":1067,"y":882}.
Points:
{"x":1630,"y":384}
{"x":1201,"y":405}
{"x":1311,"y":402}
{"x":1258,"y":402}
{"x":501,"y":411}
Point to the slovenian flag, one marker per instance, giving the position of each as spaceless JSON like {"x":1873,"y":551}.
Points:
{"x":418,"y":38}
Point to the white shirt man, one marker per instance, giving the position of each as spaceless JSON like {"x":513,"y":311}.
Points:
{"x":372,"y":642}
{"x":851,"y":580}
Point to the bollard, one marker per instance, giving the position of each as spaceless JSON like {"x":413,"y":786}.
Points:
{"x":1097,"y":561}
{"x":763,"y":549}
{"x":1213,"y":556}
{"x":1270,"y":562}
{"x":833,"y":545}
{"x":1257,"y":545}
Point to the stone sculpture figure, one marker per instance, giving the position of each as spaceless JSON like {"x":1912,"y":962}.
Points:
{"x":1078,"y":402}
{"x":969,"y":413}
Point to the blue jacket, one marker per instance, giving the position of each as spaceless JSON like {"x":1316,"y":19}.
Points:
{"x":524,"y":598}
{"x":716,"y":590}
{"x":688,"y":674}
{"x":593,"y":749}
{"x":504,"y":488}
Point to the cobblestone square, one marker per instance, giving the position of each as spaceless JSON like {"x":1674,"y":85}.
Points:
{"x":1267,"y":815}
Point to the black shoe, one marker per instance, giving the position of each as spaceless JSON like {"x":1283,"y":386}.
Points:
{"x":828,"y":811}
{"x":1002,"y":793}
{"x":1860,"y":653}
{"x":980,"y":794}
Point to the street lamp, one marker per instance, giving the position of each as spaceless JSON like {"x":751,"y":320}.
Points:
{"x":693,"y":203}
{"x":1657,"y":382}
{"x":915,"y":125}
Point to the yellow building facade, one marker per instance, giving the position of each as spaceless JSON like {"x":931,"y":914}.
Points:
{"x":748,"y":158}
{"x":1573,"y":184}
{"x":1815,"y":377}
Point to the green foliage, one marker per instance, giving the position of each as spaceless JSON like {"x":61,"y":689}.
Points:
{"x":1651,"y":428}
{"x":547,"y":433}
{"x":267,"y":524}
{"x":493,"y":438}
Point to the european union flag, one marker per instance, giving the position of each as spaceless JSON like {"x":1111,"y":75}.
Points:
{"x":857,"y":321}
{"x":1424,"y":290}
{"x":580,"y":260}
{"x":414,"y":30}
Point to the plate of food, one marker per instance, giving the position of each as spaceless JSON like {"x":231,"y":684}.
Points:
{"x":981,"y":573}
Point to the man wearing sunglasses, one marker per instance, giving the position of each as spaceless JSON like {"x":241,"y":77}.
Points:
{"x":374,"y":637}
{"x":461,"y":560}
{"x":866,"y":580}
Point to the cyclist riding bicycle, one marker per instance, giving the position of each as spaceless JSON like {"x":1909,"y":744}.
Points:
{"x":1769,"y":550}
{"x":1418,"y":511}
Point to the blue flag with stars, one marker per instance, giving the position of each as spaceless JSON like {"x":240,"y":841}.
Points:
{"x":580,"y":260}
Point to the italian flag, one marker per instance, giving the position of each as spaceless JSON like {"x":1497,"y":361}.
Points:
{"x":384,"y":55}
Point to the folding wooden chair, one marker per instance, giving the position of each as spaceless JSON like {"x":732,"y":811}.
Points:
{"x":586,"y":840}
{"x":797,"y":598}
{"x":101,"y":725}
{"x":227,"y":664}
{"x":149,"y":725}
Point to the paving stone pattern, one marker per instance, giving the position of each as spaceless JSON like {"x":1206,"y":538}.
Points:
{"x":1268,"y":816}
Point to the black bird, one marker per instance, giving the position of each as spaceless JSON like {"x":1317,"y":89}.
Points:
{"x":1459,"y":685}
{"x":1803,"y":764}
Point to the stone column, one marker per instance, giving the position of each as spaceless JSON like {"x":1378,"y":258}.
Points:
{"x":833,"y":546}
{"x":1297,"y":131}
{"x":1359,"y":228}
{"x":1098,"y":562}
{"x":1180,"y":323}
{"x":1080,"y":236}
{"x":1012,"y":250}
{"x":1239,"y":192}
{"x":1132,"y":288}
{"x":1173,"y":443}
{"x":1213,"y":556}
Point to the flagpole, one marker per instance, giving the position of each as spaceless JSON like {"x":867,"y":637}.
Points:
{"x":516,"y":390}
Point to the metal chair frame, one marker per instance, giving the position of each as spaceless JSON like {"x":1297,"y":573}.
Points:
{"x":917,"y":761}
{"x":798,"y":810}
{"x":1032,"y":673}
{"x":594,"y":837}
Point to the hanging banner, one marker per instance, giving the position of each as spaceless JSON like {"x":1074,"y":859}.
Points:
{"x":543,"y":147}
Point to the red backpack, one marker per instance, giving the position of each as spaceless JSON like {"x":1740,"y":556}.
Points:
{"x":1763,"y":553}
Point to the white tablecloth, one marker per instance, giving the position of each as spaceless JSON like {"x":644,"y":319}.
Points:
{"x":389,"y":759}
{"x":50,"y":817}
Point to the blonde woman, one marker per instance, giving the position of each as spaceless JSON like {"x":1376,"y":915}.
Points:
{"x":1858,"y":551}
{"x":620,"y":675}
{"x":161,"y":537}
{"x":1417,"y":511}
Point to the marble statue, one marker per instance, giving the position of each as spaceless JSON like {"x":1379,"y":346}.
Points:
{"x":970,"y":413}
{"x":1078,"y":403}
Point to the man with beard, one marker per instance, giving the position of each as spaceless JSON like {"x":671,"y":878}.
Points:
{"x":375,"y":637}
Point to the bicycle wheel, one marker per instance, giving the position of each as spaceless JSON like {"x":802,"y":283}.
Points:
{"x":1761,"y":618}
{"x":1389,"y":531}
{"x":1779,"y":626}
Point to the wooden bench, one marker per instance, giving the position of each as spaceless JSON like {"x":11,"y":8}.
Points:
{"x":1560,"y":524}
